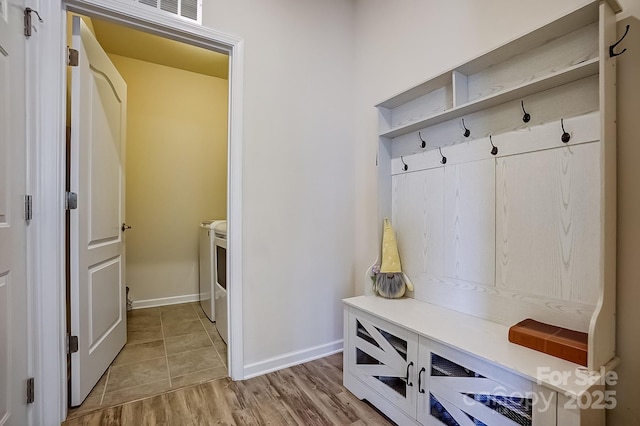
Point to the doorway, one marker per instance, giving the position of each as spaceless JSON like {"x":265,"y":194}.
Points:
{"x":150,"y":198}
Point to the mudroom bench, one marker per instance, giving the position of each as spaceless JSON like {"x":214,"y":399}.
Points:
{"x":424,"y":364}
{"x":499,"y":177}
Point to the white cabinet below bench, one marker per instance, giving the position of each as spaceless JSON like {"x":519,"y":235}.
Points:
{"x":395,"y":358}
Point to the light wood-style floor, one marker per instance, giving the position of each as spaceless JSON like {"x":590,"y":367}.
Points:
{"x":307,"y":394}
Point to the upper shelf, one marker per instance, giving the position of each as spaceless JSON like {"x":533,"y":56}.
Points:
{"x":576,"y":72}
{"x":555,"y":54}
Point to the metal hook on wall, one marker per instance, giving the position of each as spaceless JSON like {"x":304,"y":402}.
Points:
{"x":613,"y":46}
{"x":494,"y":149}
{"x":565,"y":136}
{"x":424,"y":143}
{"x":526,"y":117}
{"x":444,"y":159}
{"x":467,"y":132}
{"x":404,"y":165}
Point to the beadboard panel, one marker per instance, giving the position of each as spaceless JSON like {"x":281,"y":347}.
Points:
{"x":548,"y":217}
{"x":502,"y":306}
{"x":418,"y":216}
{"x":469,"y":221}
{"x":507,"y":237}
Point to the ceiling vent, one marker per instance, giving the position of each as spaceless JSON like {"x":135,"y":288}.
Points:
{"x":189,"y":9}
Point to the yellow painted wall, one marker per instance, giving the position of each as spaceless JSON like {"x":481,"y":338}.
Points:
{"x":176,"y":173}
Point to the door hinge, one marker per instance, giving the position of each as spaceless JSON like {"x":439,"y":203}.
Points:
{"x":71,"y":200}
{"x":30,"y":390}
{"x":73,"y":344}
{"x":27,"y":20}
{"x":72,"y":57}
{"x":28,"y":208}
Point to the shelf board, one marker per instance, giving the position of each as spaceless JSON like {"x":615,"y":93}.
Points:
{"x":422,"y":89}
{"x":567,"y":75}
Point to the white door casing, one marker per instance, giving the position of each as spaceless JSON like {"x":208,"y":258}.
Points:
{"x":14,"y":366}
{"x":98,"y":133}
{"x":50,"y":76}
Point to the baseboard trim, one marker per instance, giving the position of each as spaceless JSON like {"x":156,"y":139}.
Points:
{"x":292,"y":358}
{"x":163,"y":301}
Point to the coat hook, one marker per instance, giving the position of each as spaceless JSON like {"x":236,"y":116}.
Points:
{"x":444,"y":159}
{"x":494,"y":150}
{"x":404,"y":167}
{"x":526,"y":117}
{"x":424,"y":143}
{"x":613,"y":46}
{"x":467,"y":132}
{"x":565,"y":136}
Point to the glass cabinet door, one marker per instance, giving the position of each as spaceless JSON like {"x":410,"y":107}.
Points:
{"x":384,"y":357}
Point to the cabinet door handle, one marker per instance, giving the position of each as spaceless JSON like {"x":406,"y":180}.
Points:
{"x":422,"y":370}
{"x":407,"y":378}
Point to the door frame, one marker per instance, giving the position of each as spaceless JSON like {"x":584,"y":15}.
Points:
{"x":46,"y":112}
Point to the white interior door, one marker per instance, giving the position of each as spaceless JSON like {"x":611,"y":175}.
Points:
{"x":98,"y":126}
{"x":13,"y":286}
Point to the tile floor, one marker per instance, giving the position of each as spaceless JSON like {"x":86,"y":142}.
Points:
{"x":168,"y":347}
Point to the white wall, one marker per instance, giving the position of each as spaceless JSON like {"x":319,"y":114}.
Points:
{"x":404,"y":42}
{"x":629,"y":8}
{"x":298,"y":161}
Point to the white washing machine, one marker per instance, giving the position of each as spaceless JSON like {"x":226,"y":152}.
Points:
{"x":220,"y":246}
{"x":208,"y":268}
